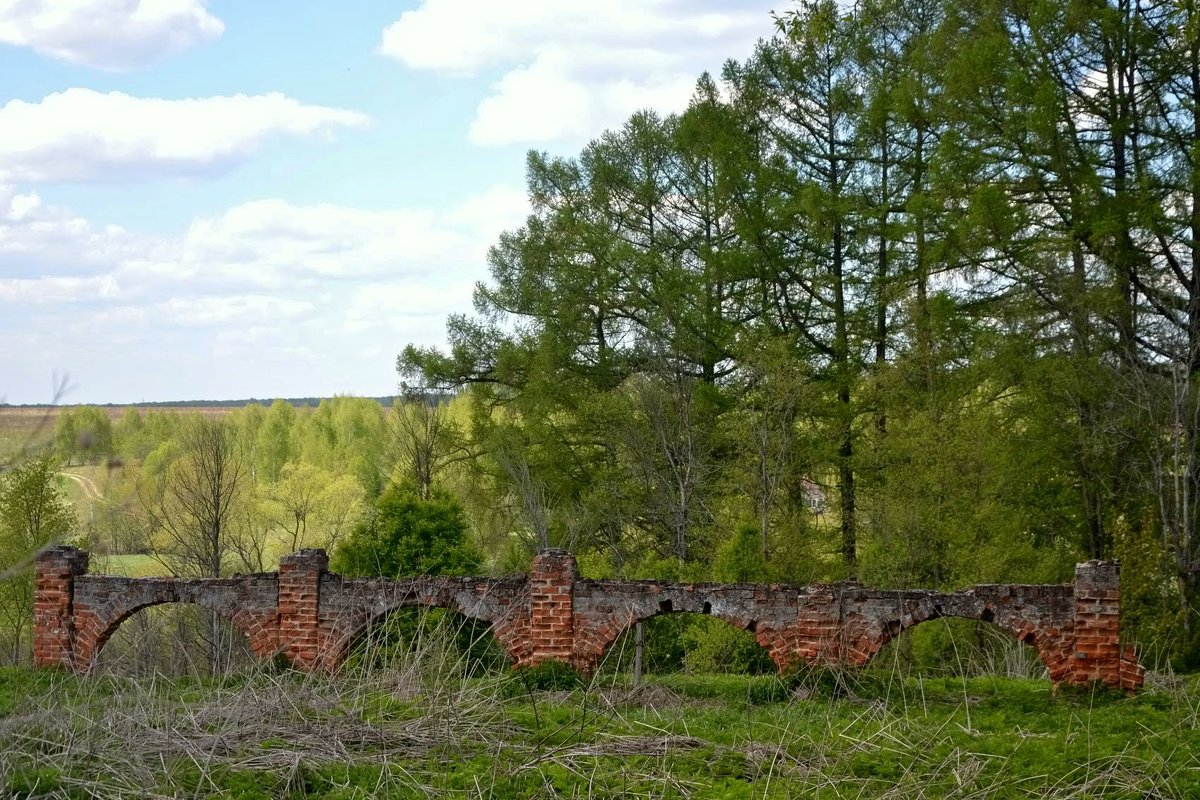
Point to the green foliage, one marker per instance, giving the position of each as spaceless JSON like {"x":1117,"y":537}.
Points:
{"x":549,"y":676}
{"x":33,"y":508}
{"x":957,"y":647}
{"x":83,"y":433}
{"x":739,"y":559}
{"x":973,"y":346}
{"x":273,"y":441}
{"x":713,"y":645}
{"x":309,"y":506}
{"x":33,"y":512}
{"x":136,"y":435}
{"x":409,"y":536}
{"x":1151,"y":601}
{"x":875,"y":304}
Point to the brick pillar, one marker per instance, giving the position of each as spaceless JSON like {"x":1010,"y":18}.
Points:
{"x":1098,"y":655}
{"x":551,"y":606}
{"x":53,"y":611}
{"x":299,"y":604}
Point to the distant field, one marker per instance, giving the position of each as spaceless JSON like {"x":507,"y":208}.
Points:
{"x":25,"y":429}
{"x":31,"y":428}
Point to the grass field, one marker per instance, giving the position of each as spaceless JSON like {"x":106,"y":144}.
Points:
{"x":414,"y":732}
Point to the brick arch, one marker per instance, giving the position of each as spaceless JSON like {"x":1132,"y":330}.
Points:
{"x":101,"y":608}
{"x":1048,"y":638}
{"x":609,"y":630}
{"x":352,"y":619}
{"x":601,"y":618}
{"x":347,"y":631}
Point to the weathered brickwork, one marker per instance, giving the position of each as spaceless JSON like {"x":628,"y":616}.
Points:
{"x":299,"y":629}
{"x":552,"y":578}
{"x":313,"y":616}
{"x":350,"y":606}
{"x":53,"y":604}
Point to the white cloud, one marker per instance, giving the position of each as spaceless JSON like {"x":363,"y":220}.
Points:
{"x":38,"y":239}
{"x":320,"y":239}
{"x":376,"y":304}
{"x":276,"y":244}
{"x":203,"y":312}
{"x":544,"y":102}
{"x":492,"y":211}
{"x":84,"y":135}
{"x":273,"y":297}
{"x":271,"y":244}
{"x":573,"y":69}
{"x":107,"y":34}
{"x":51,"y":290}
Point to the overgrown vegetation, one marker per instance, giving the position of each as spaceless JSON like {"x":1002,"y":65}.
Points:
{"x":410,"y":731}
{"x":909,"y":295}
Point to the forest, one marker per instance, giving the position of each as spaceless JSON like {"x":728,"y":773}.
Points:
{"x":909,"y":296}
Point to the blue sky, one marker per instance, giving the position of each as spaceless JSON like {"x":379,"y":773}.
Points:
{"x":217,"y":200}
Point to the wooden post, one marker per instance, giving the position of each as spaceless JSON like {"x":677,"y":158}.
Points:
{"x":640,"y":640}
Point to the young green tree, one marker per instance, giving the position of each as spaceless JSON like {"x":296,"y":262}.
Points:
{"x":193,"y":504}
{"x":84,"y":434}
{"x":425,"y":439}
{"x":273,"y":444}
{"x":309,"y":506}
{"x":34,"y":511}
{"x":196,"y":504}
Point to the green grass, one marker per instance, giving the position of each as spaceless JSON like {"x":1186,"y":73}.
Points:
{"x":388,"y":733}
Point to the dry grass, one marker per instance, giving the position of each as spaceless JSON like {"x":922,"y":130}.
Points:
{"x":423,"y":722}
{"x":393,"y":733}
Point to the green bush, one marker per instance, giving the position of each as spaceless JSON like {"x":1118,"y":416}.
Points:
{"x":409,"y":536}
{"x":713,"y":645}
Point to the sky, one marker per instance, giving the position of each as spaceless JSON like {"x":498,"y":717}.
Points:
{"x":231,"y":199}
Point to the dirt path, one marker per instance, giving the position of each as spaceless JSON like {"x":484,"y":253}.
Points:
{"x":87,"y":484}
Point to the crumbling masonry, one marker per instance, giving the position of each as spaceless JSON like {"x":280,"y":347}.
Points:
{"x":313,"y":616}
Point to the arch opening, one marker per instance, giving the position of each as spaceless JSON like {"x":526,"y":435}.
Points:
{"x":422,"y":641}
{"x":688,"y":642}
{"x":174,"y":639}
{"x":958,"y":647}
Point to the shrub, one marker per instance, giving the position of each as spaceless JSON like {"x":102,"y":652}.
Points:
{"x":409,"y":536}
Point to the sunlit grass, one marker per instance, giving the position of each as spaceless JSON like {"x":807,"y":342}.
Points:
{"x":422,"y":726}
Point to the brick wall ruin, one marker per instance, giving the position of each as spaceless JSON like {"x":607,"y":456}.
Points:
{"x":312,"y":616}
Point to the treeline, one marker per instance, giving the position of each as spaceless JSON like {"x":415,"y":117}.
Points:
{"x":299,"y":402}
{"x":189,"y":493}
{"x":207,"y":493}
{"x":909,"y":295}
